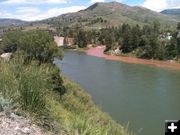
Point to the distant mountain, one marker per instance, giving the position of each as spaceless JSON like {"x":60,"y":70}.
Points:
{"x":112,"y":14}
{"x":171,"y":12}
{"x":8,"y":22}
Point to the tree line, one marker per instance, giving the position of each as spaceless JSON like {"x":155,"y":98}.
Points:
{"x":149,"y":41}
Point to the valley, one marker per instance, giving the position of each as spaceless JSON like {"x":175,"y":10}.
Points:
{"x":89,"y":68}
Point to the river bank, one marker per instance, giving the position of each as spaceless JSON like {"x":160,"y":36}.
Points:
{"x":99,"y":52}
{"x":72,"y":113}
{"x":123,"y":90}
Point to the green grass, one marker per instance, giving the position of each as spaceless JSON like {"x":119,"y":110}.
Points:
{"x":71,"y":113}
{"x":87,"y":119}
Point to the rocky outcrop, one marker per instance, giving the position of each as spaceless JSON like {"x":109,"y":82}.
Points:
{"x":13,"y":124}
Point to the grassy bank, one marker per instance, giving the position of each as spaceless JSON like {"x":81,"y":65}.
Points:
{"x":31,"y":86}
{"x":30,"y":91}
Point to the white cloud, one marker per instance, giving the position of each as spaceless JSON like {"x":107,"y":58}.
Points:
{"x":32,"y":14}
{"x":13,"y":1}
{"x":118,"y":0}
{"x":27,"y":10}
{"x":32,"y":1}
{"x":159,"y":5}
{"x":94,"y":1}
{"x":4,"y":13}
{"x":58,"y":11}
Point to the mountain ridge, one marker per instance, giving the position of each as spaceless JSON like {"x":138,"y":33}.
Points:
{"x":11,"y":21}
{"x":171,"y":11}
{"x":112,"y":14}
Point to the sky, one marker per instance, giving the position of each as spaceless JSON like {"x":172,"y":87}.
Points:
{"x":31,"y":10}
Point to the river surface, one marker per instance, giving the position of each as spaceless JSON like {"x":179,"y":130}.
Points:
{"x":142,"y":95}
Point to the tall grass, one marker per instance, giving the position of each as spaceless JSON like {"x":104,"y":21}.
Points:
{"x":28,"y":86}
{"x":80,"y":116}
{"x":31,"y":89}
{"x":60,"y":104}
{"x":23,"y":84}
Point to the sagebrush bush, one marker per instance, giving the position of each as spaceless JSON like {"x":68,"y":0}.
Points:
{"x":5,"y":104}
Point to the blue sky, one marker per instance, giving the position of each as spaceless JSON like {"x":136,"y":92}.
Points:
{"x":31,"y":10}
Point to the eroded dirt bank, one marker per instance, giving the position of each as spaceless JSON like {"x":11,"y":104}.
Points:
{"x":99,"y":52}
{"x":11,"y":124}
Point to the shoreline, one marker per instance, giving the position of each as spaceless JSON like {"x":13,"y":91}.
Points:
{"x":99,"y":52}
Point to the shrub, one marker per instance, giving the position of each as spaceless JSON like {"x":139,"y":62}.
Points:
{"x":5,"y":104}
{"x":34,"y":45}
{"x":10,"y":41}
{"x":57,"y":82}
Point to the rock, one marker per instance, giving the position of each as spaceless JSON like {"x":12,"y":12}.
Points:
{"x":26,"y":130}
{"x":14,"y":116}
{"x":6,"y":56}
{"x":18,"y":125}
{"x":23,"y":130}
{"x":17,"y":129}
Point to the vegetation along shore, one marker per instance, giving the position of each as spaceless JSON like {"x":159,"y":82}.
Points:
{"x":32,"y":87}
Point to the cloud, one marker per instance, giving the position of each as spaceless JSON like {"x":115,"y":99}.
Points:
{"x":32,"y":13}
{"x":58,"y":11}
{"x":118,"y":0}
{"x":159,"y":5}
{"x":4,"y":13}
{"x":24,"y":13}
{"x":32,"y":1}
{"x":94,"y":1}
{"x":27,"y":10}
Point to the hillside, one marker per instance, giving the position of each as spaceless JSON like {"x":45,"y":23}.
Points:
{"x":171,"y":12}
{"x":9,"y":22}
{"x":174,"y":13}
{"x":112,"y":14}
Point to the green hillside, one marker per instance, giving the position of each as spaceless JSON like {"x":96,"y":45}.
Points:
{"x":112,"y":14}
{"x":174,"y":13}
